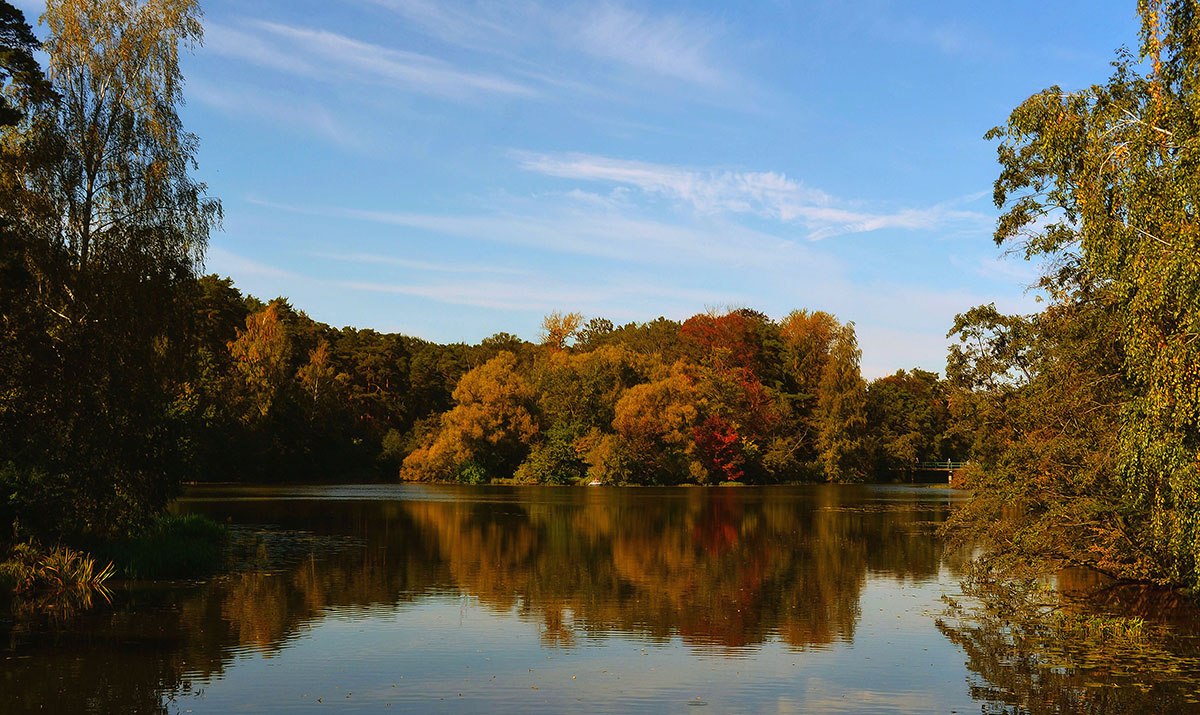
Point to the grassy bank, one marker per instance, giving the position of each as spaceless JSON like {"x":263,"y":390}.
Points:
{"x":35,"y":579}
{"x":173,"y":546}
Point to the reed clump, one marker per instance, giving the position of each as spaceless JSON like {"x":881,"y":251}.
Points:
{"x":58,"y":579}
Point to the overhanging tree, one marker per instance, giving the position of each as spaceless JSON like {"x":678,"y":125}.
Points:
{"x":1104,"y":184}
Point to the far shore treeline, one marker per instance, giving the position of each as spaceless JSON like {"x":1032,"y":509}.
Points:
{"x":126,"y":372}
{"x":273,"y":395}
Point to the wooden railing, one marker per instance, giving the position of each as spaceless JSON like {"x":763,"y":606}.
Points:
{"x":948,"y":465}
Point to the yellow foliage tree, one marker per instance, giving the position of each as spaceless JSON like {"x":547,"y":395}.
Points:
{"x":319,"y":378}
{"x":125,"y":183}
{"x":655,"y":421}
{"x":558,"y":328}
{"x":489,"y":429}
{"x":261,"y":354}
{"x":809,"y":338}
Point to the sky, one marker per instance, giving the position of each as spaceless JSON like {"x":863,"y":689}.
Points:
{"x":451,"y":170}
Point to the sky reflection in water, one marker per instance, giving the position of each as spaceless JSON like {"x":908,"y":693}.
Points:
{"x":806,"y":599}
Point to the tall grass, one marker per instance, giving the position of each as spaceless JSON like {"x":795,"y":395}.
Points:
{"x":60,"y":580}
{"x":173,"y":546}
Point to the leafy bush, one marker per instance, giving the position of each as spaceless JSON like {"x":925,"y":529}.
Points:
{"x":554,"y":460}
{"x":472,"y":473}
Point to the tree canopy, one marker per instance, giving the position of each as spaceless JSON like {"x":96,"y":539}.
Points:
{"x":104,"y":229}
{"x":1093,"y":406}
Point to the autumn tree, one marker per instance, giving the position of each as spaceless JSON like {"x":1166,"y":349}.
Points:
{"x":487,"y":433}
{"x":558,"y":328}
{"x":577,"y":397}
{"x":261,"y":358}
{"x":124,"y":180}
{"x":806,"y":339}
{"x":1102,"y":185}
{"x":1042,"y":397}
{"x":720,"y":449}
{"x":841,"y":410}
{"x":655,"y":421}
{"x":319,"y":379}
{"x":97,"y":177}
{"x":721,"y":339}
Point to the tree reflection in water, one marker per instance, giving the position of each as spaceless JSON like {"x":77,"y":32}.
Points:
{"x":723,"y":569}
{"x":721,"y":572}
{"x":1092,"y":646}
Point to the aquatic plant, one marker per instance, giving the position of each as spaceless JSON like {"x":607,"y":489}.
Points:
{"x":61,"y":580}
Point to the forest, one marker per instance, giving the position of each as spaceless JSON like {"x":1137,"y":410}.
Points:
{"x":126,"y":372}
{"x":724,"y":396}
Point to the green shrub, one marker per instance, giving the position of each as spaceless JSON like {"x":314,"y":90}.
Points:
{"x":393,"y":449}
{"x":554,"y":460}
{"x":472,"y":473}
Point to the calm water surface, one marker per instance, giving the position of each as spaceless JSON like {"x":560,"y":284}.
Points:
{"x":498,"y":599}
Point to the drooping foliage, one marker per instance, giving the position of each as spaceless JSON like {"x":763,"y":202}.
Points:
{"x":104,"y":229}
{"x":1094,"y":405}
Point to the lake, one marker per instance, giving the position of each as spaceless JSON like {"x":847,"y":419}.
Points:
{"x":509,"y":599}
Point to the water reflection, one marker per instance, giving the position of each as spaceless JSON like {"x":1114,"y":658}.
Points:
{"x":723,"y":569}
{"x":815,"y":598}
{"x":1104,"y":647}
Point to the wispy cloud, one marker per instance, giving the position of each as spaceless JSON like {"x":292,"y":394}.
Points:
{"x":253,"y":46}
{"x":768,"y":194}
{"x":939,"y":217}
{"x":231,"y":263}
{"x":461,"y":24}
{"x":327,"y":56}
{"x":516,"y":292}
{"x":593,"y":230}
{"x":706,"y":191}
{"x":544,"y":296}
{"x":277,"y":109}
{"x":667,"y":45}
{"x":376,"y":259}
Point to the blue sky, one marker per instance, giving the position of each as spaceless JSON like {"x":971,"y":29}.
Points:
{"x":454,"y":169}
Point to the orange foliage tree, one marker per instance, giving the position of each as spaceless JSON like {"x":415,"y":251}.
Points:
{"x":488,"y":431}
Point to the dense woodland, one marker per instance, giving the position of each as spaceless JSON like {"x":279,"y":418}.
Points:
{"x":732,"y":396}
{"x":1089,"y":447}
{"x":125,"y":372}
